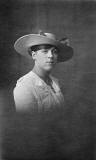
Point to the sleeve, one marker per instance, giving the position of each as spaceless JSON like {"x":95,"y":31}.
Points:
{"x":25,"y":100}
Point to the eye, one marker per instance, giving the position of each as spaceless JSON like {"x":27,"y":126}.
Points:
{"x":44,"y":50}
{"x":55,"y":51}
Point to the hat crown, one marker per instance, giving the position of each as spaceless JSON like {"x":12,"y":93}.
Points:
{"x":48,"y":35}
{"x":51,"y":36}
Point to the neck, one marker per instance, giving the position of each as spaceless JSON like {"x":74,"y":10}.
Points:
{"x":41,"y":73}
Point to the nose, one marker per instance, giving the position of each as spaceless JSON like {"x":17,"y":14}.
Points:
{"x":50,"y":54}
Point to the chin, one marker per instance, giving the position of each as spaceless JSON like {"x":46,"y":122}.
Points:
{"x":49,"y":69}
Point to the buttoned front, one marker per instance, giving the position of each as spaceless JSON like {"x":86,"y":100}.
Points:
{"x":33,"y":94}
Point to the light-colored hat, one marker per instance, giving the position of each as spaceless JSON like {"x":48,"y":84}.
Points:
{"x":23,"y":44}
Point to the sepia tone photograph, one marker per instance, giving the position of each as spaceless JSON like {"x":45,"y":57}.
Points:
{"x":47,"y":79}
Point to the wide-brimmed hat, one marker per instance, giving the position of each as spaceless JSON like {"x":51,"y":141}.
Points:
{"x":25,"y":42}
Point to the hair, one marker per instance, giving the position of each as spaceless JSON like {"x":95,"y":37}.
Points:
{"x":38,"y":47}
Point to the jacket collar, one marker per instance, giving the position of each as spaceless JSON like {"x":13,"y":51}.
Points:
{"x":41,"y":84}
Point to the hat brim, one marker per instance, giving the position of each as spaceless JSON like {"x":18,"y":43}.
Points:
{"x":25,"y":42}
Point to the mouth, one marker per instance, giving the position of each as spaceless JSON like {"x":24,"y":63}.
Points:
{"x":50,"y":62}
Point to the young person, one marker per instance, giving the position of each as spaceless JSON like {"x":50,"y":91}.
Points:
{"x":38,"y":90}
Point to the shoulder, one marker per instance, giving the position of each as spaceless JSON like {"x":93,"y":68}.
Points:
{"x":24,"y":85}
{"x":26,"y":81}
{"x":23,"y":93}
{"x":26,"y":78}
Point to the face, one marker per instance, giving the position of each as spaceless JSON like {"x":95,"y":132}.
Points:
{"x":45,"y":57}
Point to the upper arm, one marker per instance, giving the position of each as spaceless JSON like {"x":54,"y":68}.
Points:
{"x":24,"y":99}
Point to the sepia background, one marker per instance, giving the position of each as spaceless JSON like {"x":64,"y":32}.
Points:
{"x":69,"y":135}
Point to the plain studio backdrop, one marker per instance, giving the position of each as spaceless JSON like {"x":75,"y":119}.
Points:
{"x":70,"y":134}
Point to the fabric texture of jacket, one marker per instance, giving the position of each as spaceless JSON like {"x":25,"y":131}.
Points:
{"x":33,"y":94}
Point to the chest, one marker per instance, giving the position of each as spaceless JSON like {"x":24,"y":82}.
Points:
{"x":48,"y":97}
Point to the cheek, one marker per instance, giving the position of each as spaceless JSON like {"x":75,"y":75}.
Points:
{"x":55,"y":56}
{"x":40,"y":59}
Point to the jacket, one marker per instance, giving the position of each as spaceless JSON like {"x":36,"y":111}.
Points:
{"x":31,"y":93}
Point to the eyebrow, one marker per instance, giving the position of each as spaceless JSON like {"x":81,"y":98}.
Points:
{"x":48,"y":48}
{"x":43,"y":46}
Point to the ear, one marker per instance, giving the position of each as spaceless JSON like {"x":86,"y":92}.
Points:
{"x":33,"y":55}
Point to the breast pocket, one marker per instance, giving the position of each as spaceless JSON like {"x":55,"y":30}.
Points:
{"x":42,"y":93}
{"x":47,"y":100}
